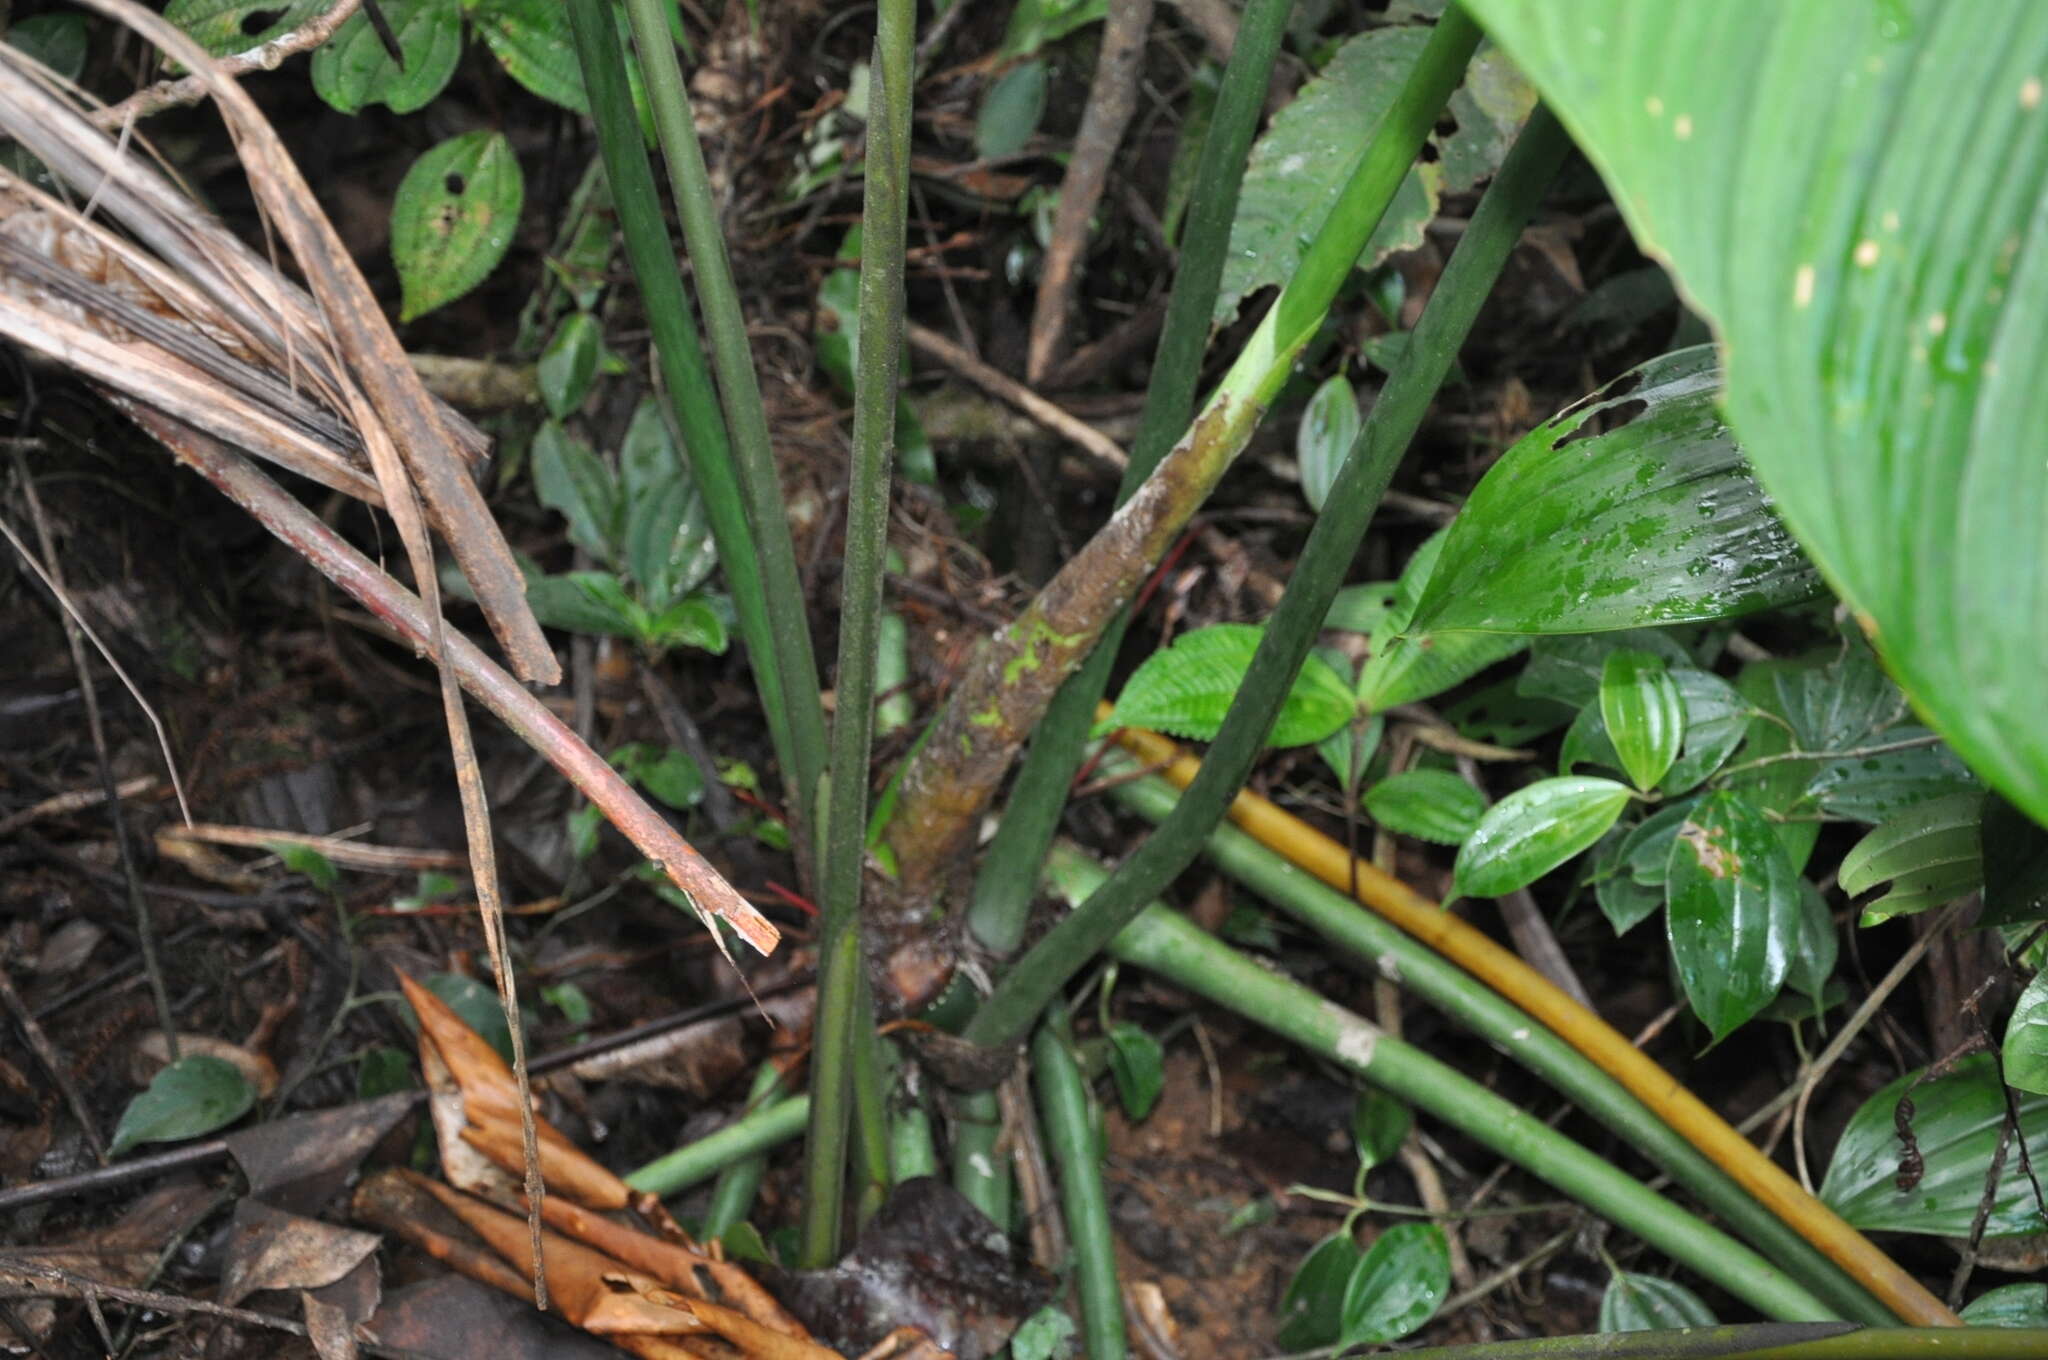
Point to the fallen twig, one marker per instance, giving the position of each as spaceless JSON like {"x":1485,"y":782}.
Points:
{"x":1005,"y":388}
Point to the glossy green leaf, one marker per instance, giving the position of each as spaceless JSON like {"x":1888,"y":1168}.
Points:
{"x":58,"y":41}
{"x":224,"y":27}
{"x":1010,"y":111}
{"x":569,"y":363}
{"x":1533,"y":830}
{"x":1955,"y":1123}
{"x":1645,"y":717}
{"x":194,"y":1095}
{"x":1351,"y":747}
{"x":452,"y":219}
{"x":1567,"y":669}
{"x":1034,"y":23}
{"x":353,"y":70}
{"x":668,"y":549}
{"x":1329,"y":426}
{"x":1430,"y":805}
{"x":1138,"y":1066}
{"x":575,"y":483}
{"x":531,"y":40}
{"x":1379,"y":1125}
{"x":1838,"y":698}
{"x":1873,"y":788}
{"x":1400,"y":1284}
{"x":1813,"y":959}
{"x":1186,"y":689}
{"x":1408,"y":665}
{"x":1656,"y":519}
{"x":1885,"y":336}
{"x":1299,"y":165}
{"x":2015,"y":866}
{"x":1734,"y":910}
{"x":2009,"y":1305}
{"x":1649,"y":1303}
{"x":1778,"y":790}
{"x":1929,"y":854}
{"x":1312,"y":1309}
{"x":1626,"y":903}
{"x":2025,"y":1053}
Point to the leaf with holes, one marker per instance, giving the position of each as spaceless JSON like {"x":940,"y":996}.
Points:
{"x":1329,"y":426}
{"x":1885,"y":342}
{"x":1734,"y":910}
{"x":1430,"y":805}
{"x":1186,"y":689}
{"x":1657,"y":520}
{"x":1929,"y":854}
{"x":1397,"y":1287}
{"x":353,"y":70}
{"x":531,"y":40}
{"x":194,"y":1095}
{"x":453,"y":218}
{"x":2025,"y":1053}
{"x":1955,"y":1122}
{"x":225,"y":27}
{"x":1138,"y":1065}
{"x":1407,"y":666}
{"x":1648,"y":1303}
{"x":1533,"y":830}
{"x":1645,"y":717}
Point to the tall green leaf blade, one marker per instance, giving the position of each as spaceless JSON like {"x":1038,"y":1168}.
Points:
{"x":1533,"y":830}
{"x":1644,"y":713}
{"x":1955,"y":1122}
{"x":1186,"y":689}
{"x":1735,"y":911}
{"x":1854,"y":196}
{"x":1656,"y":520}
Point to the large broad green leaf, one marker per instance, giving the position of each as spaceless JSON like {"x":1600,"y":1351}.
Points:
{"x":2009,"y":1305}
{"x":1735,"y":914}
{"x":531,"y":38}
{"x":1397,"y":1287}
{"x":1878,"y":1185}
{"x":1929,"y":854}
{"x":1430,"y":805}
{"x":1654,"y":519}
{"x":1186,"y":689}
{"x":453,"y":217}
{"x":1853,"y":194}
{"x":1312,"y":1309}
{"x":1533,"y":830}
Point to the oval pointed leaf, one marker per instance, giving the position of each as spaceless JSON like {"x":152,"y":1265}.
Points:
{"x":1329,"y":426}
{"x":224,"y":27}
{"x":573,"y":481}
{"x":1379,"y":1125}
{"x":194,"y":1095}
{"x":2010,"y":1305}
{"x":1186,"y":689}
{"x":1646,"y":1303}
{"x":2025,"y":1053}
{"x":1930,"y":854}
{"x":1398,"y":1286}
{"x":1885,"y":342}
{"x":452,"y":219}
{"x":1010,"y":111}
{"x":1656,"y":520}
{"x":569,"y":363}
{"x":353,"y":70}
{"x":1645,"y":717}
{"x":531,"y":39}
{"x":1138,"y":1065}
{"x":1312,"y":1309}
{"x":1735,"y":913}
{"x":1430,"y":805}
{"x":1533,"y":830}
{"x":1955,"y":1122}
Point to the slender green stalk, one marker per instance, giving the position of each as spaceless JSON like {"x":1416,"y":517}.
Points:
{"x":748,"y":1136}
{"x":1768,"y":1341}
{"x":843,"y":1016}
{"x":980,"y":1171}
{"x":1002,"y":891}
{"x":1174,"y":947}
{"x":912,"y":1149}
{"x":732,"y":1199}
{"x":1424,"y":973}
{"x":1076,"y":1147}
{"x":754,"y":457}
{"x":1318,"y":574}
{"x":693,"y":401}
{"x":999,"y":699}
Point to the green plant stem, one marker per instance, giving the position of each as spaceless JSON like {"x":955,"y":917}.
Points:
{"x":688,"y":389}
{"x":980,"y":1171}
{"x":748,"y":1136}
{"x":1767,"y":1341}
{"x":1423,"y":972}
{"x":732,"y":1199}
{"x":1318,"y":574}
{"x":794,"y":665}
{"x":844,"y":1009}
{"x":1169,"y":944}
{"x":912,"y":1150}
{"x":1076,"y":1147}
{"x":1003,"y":889}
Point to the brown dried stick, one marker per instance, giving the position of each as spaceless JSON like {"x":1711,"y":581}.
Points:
{"x":1005,"y":388}
{"x":1112,"y":95}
